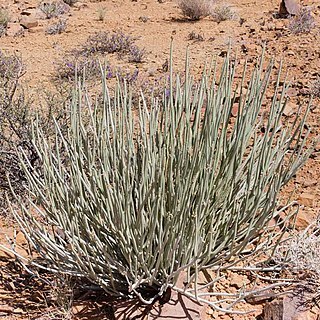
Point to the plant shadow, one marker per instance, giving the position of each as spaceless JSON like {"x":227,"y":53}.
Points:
{"x":30,"y":295}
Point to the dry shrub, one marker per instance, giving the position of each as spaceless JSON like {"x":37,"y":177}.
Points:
{"x":315,"y":89}
{"x":17,"y":115}
{"x":223,"y":12}
{"x":195,"y":9}
{"x":302,"y":251}
{"x":303,"y":22}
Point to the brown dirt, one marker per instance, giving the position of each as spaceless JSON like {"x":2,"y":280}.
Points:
{"x":300,"y":53}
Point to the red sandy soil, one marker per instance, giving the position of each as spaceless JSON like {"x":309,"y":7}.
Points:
{"x":300,"y":53}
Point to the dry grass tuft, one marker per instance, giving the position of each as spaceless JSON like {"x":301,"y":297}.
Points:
{"x":196,"y":9}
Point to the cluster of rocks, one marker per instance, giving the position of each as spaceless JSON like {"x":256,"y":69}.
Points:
{"x":28,"y":19}
{"x":23,"y":18}
{"x":28,"y":16}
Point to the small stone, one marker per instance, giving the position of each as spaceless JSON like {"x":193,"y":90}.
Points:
{"x":14,"y":29}
{"x":251,"y":48}
{"x":28,"y":12}
{"x":254,"y":27}
{"x":288,"y":109}
{"x":268,"y":27}
{"x":28,"y":22}
{"x":310,"y":183}
{"x":292,"y":92}
{"x":18,"y":311}
{"x":151,"y":72}
{"x":307,"y":199}
{"x":292,"y":307}
{"x":242,"y":91}
{"x":14,"y":17}
{"x":260,"y":298}
{"x":210,"y":311}
{"x":305,"y":182}
{"x":79,"y":5}
{"x":36,"y":30}
{"x":303,"y":220}
{"x":279,"y":25}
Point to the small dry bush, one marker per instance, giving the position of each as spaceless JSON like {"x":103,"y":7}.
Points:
{"x":4,"y":19}
{"x":54,"y":9}
{"x":101,"y":12}
{"x":105,"y":42}
{"x":195,"y":9}
{"x":17,"y":115}
{"x":57,"y":28}
{"x":304,"y":251}
{"x":67,"y":68}
{"x":195,"y":36}
{"x":223,"y":12}
{"x":315,"y":88}
{"x":300,"y":256}
{"x":303,"y":22}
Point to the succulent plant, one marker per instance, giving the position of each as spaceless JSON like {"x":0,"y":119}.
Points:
{"x":147,"y":191}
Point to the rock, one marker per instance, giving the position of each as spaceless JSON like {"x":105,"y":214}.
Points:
{"x":33,"y":12}
{"x":36,"y":30}
{"x":5,"y":309}
{"x":251,"y":48}
{"x":14,"y":29}
{"x":253,"y":28}
{"x":303,"y":220}
{"x":273,"y":310}
{"x":14,"y":17}
{"x":79,"y":5}
{"x":171,"y":306}
{"x":305,"y":182}
{"x":287,"y":308}
{"x":29,"y":22}
{"x":310,"y":182}
{"x":279,"y":25}
{"x":292,"y":92}
{"x":178,"y":307}
{"x":292,"y":307}
{"x":28,"y":12}
{"x":288,"y":109}
{"x":307,"y":199}
{"x":288,"y":7}
{"x":18,"y":311}
{"x":291,"y":53}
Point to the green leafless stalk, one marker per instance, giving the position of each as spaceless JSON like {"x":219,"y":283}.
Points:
{"x":147,"y":192}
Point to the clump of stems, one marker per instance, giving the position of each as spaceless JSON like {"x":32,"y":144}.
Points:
{"x":148,"y":191}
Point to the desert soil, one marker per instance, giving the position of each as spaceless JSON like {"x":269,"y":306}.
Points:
{"x":155,"y":23}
